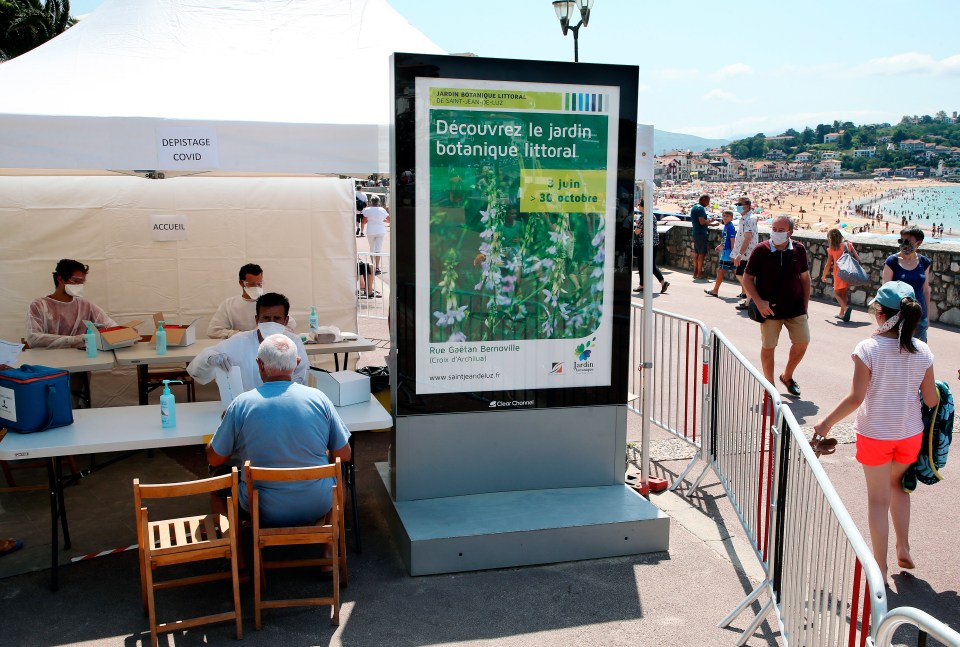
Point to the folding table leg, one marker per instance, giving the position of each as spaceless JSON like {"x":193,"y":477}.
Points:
{"x":63,"y":508}
{"x":54,"y":535}
{"x":351,"y":482}
{"x":142,"y":379}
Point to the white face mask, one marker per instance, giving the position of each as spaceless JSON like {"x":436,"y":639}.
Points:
{"x":253,"y":293}
{"x":268,"y":328}
{"x":74,"y":290}
{"x":779,"y":237}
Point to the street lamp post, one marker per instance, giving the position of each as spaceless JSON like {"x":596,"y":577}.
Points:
{"x":565,"y":9}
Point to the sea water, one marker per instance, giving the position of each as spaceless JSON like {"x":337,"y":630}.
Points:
{"x":926,"y":206}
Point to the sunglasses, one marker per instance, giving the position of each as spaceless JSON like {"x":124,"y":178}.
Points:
{"x":906,"y":241}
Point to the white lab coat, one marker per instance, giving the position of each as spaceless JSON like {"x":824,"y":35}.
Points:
{"x":237,"y":314}
{"x":242,"y":351}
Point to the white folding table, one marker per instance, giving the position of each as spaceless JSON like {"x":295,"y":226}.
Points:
{"x":143,"y":354}
{"x":118,"y":429}
{"x":74,"y":360}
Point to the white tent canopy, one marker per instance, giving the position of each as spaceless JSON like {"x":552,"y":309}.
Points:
{"x":288,"y":86}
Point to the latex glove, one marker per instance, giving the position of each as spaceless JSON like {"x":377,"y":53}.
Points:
{"x":221,"y":361}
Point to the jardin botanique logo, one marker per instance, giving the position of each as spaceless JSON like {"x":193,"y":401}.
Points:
{"x":583,"y":352}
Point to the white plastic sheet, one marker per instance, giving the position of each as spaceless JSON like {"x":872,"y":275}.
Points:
{"x":300,"y":230}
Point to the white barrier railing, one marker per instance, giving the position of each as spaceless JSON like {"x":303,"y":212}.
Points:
{"x":823,"y":581}
{"x":372,"y":289}
{"x":827,"y":586}
{"x":741,"y":414}
{"x":679,"y":376}
{"x":925,"y":623}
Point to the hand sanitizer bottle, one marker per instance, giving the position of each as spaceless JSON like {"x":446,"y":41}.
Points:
{"x":161,"y":339}
{"x":314,"y":320}
{"x":168,"y":406}
{"x":90,"y":341}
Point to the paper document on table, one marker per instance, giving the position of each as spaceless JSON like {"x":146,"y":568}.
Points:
{"x":9,"y":351}
{"x":230,"y":385}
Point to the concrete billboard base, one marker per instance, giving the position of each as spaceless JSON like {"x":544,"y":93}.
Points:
{"x":521,"y":528}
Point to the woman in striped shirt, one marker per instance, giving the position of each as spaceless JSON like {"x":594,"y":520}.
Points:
{"x":888,"y":370}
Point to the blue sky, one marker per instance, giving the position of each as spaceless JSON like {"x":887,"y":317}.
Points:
{"x":724,"y":69}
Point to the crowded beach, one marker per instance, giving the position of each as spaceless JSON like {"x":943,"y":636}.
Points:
{"x":854,"y":205}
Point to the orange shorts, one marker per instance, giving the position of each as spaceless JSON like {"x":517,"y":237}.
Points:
{"x":871,"y":451}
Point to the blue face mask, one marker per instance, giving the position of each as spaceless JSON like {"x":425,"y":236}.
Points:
{"x":739,"y":208}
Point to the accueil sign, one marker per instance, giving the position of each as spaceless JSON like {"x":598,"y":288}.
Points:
{"x":187,"y":148}
{"x":164,"y":228}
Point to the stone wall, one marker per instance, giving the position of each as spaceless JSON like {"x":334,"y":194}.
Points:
{"x":676,"y":250}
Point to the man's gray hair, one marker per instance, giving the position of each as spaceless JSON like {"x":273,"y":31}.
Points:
{"x":278,"y":353}
{"x":788,"y":219}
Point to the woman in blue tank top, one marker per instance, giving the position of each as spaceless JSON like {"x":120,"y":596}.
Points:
{"x":914,"y":269}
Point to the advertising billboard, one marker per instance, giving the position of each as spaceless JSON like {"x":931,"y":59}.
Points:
{"x":512,"y":231}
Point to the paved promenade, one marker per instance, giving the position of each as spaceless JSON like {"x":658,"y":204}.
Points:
{"x":671,"y":598}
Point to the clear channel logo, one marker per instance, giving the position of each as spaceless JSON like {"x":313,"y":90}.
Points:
{"x":509,"y":404}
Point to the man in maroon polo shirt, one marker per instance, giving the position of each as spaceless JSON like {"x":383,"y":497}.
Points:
{"x":777,"y":278}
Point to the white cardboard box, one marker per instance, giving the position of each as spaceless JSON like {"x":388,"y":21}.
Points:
{"x":121,"y":336}
{"x":177,"y":334}
{"x":343,"y":387}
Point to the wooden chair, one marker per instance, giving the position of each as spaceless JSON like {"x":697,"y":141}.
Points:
{"x":187,"y":539}
{"x":156,"y":374}
{"x":327,"y":531}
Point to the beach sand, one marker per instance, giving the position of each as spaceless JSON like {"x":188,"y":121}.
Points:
{"x":815,"y":204}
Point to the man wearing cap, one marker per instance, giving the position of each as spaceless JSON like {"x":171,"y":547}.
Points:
{"x":777,"y":278}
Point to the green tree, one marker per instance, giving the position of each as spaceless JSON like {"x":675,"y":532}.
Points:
{"x":808,"y":136}
{"x":899,"y":136}
{"x":26,"y":24}
{"x":846,"y":139}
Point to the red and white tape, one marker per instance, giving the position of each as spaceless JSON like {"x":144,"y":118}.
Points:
{"x":102,"y":553}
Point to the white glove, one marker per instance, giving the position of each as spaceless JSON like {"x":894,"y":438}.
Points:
{"x":221,"y":361}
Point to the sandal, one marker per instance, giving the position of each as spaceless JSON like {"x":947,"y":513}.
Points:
{"x":823,"y":445}
{"x":711,"y":293}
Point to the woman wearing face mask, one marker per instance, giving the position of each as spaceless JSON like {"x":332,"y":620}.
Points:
{"x":57,"y":320}
{"x":836,"y":246}
{"x":889,"y":369}
{"x":912,"y":268}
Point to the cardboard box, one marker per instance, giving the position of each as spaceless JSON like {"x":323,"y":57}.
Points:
{"x":117,"y":337}
{"x":343,"y":387}
{"x":177,"y":334}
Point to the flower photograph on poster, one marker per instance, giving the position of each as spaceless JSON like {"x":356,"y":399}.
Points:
{"x":517,"y":232}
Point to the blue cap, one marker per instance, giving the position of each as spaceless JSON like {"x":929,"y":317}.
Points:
{"x":892,"y":293}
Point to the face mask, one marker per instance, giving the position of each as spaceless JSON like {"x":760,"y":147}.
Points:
{"x":739,"y":208}
{"x":253,"y":293}
{"x":74,"y":290}
{"x":268,"y":328}
{"x":907,"y":248}
{"x":779,"y":237}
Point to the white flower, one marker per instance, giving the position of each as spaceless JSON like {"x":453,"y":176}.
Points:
{"x":457,"y":337}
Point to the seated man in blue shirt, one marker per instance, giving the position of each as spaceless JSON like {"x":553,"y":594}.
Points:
{"x":282,"y":424}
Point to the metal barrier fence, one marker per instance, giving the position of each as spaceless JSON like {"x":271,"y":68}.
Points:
{"x":925,"y":623}
{"x":372,"y":290}
{"x":741,"y":414}
{"x":679,"y":376}
{"x":826,"y":585}
{"x":823,"y":581}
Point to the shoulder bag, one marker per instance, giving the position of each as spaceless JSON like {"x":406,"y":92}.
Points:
{"x":849,"y":270}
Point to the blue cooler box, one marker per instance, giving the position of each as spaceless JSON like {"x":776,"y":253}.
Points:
{"x":35,"y":398}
